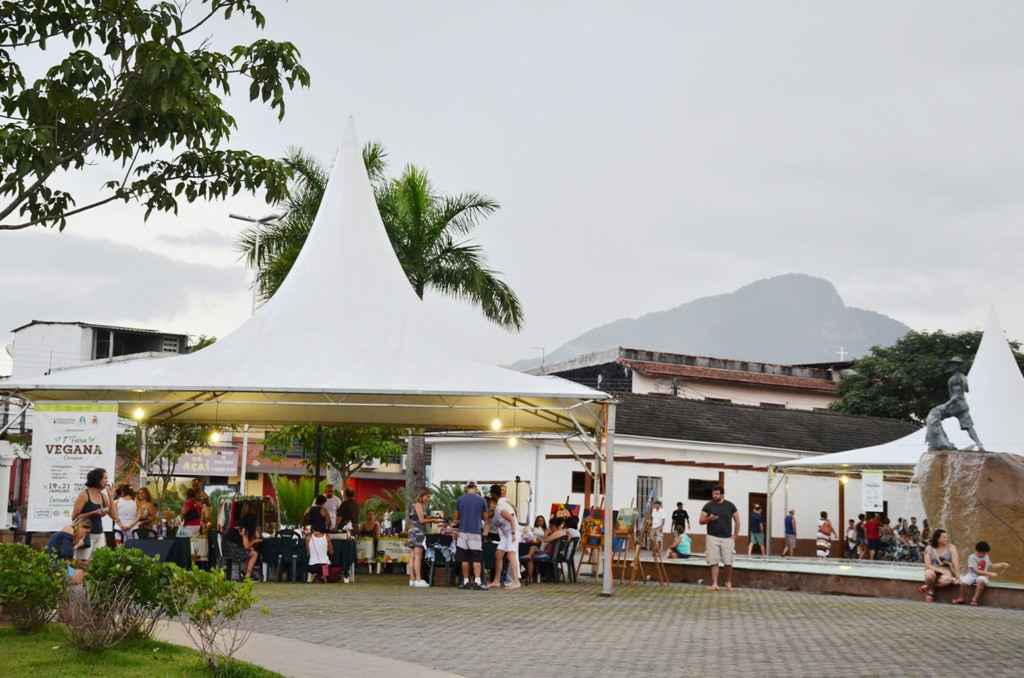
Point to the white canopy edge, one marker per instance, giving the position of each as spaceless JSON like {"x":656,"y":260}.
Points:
{"x":996,"y":399}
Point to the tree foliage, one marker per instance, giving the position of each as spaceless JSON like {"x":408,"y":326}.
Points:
{"x":430,"y":234}
{"x":344,"y":448}
{"x":907,"y":379}
{"x":136,"y":84}
{"x":165,"y":445}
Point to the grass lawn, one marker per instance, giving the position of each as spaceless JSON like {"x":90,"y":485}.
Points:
{"x":48,"y":653}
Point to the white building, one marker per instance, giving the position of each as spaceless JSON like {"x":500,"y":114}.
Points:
{"x":679,"y":449}
{"x":42,"y":346}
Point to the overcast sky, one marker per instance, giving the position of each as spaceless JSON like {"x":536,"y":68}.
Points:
{"x":645,"y":154}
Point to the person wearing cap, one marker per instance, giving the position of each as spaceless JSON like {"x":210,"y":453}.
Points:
{"x":469,"y":544}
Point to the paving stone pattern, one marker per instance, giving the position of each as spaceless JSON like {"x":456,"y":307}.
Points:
{"x":565,"y":631}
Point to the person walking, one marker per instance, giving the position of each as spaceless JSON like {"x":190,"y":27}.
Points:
{"x":790,"y":532}
{"x":826,"y":535}
{"x":756,"y":531}
{"x":469,"y":544}
{"x":723,"y":521}
{"x":348,"y":512}
{"x":851,"y":539}
{"x":873,"y":535}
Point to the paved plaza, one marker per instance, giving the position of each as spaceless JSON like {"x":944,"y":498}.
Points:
{"x":567,"y":630}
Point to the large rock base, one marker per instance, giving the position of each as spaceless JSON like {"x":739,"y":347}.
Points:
{"x":977,"y":496}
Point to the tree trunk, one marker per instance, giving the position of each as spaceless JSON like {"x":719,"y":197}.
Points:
{"x":415,"y":467}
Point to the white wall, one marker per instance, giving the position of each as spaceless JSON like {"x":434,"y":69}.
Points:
{"x":455,"y":460}
{"x":41,"y":347}
{"x":738,"y":393}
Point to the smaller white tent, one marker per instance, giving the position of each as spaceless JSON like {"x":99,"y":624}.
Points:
{"x":996,"y":399}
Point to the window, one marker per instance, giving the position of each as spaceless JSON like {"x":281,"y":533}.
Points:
{"x":726,"y":401}
{"x":648,"y":488}
{"x":579,"y":482}
{"x":774,"y":406}
{"x":701,"y":489}
{"x":170,"y":345}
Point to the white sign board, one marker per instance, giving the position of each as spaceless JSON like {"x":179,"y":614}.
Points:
{"x":208,"y":462}
{"x":68,"y":441}
{"x":872,"y":488}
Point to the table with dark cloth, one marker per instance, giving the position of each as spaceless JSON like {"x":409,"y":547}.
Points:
{"x":177,"y":550}
{"x":343,"y":552}
{"x":284,"y":548}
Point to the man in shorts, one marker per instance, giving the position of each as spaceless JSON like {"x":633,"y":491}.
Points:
{"x":790,"y":532}
{"x":723,"y":521}
{"x":657,"y":526}
{"x":469,"y":544}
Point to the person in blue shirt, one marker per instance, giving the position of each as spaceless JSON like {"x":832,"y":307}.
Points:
{"x":469,"y":545}
{"x":790,"y":533}
{"x":756,"y":531}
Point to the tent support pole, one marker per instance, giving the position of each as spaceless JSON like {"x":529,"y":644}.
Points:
{"x":143,"y":456}
{"x":318,"y":445}
{"x":768,"y":514}
{"x":608,"y":585}
{"x":245,"y":460}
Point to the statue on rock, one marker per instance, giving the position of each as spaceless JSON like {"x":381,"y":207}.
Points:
{"x":956,"y":406}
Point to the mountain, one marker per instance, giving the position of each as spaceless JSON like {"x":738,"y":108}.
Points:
{"x":792,"y":318}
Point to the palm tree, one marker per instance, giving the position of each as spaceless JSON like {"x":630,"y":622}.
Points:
{"x":429,"y":232}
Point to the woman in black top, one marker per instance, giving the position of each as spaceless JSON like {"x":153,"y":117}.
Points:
{"x":92,"y":504}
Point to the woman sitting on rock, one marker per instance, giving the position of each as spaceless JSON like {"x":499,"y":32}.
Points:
{"x":941,"y":565}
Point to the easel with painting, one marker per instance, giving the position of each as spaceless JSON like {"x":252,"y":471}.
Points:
{"x":591,"y":540}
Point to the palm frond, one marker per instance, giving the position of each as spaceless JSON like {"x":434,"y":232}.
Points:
{"x":375,"y":160}
{"x":460,"y":214}
{"x":459,"y":271}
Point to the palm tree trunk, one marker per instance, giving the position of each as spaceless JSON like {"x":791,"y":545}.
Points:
{"x":415,"y":466}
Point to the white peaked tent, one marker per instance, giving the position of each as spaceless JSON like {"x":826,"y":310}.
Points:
{"x":996,"y":399}
{"x":344,"y":340}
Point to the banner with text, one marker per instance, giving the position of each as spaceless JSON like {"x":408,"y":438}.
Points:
{"x":68,"y":441}
{"x":872,"y":491}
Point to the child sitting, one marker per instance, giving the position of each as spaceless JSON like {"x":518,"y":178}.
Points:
{"x":979,"y":569}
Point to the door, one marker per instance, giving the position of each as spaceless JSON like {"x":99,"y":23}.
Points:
{"x":756,"y":499}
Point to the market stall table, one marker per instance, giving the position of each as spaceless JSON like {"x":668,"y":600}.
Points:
{"x":285,"y":554}
{"x":343,"y":553}
{"x":177,"y":550}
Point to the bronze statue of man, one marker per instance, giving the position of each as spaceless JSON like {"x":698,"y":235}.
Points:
{"x":956,"y":406}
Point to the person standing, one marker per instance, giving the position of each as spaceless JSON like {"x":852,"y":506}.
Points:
{"x":127,"y":512}
{"x":657,"y":526}
{"x":348,"y":512}
{"x":680,"y":519}
{"x":826,"y":533}
{"x":508,"y":544}
{"x":873,"y":535}
{"x":332,"y":503}
{"x":756,"y":531}
{"x":191,"y":514}
{"x":851,"y":539}
{"x":790,"y":532}
{"x":469,"y":544}
{"x":417,"y":543}
{"x":723,"y":521}
{"x":93,"y":505}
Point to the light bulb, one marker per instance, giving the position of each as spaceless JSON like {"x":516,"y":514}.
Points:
{"x":513,"y":441}
{"x":214,"y":437}
{"x":844,"y":479}
{"x":139,"y":414}
{"x":496,"y":424}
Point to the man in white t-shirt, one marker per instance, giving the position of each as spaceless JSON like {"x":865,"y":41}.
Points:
{"x":657,"y":525}
{"x":332,"y":504}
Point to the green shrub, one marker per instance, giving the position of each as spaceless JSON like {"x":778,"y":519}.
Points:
{"x":210,"y":609}
{"x":143,"y":582}
{"x":294,"y":497}
{"x":32,"y":585}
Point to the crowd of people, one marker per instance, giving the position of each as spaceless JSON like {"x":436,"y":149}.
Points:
{"x":477,"y":520}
